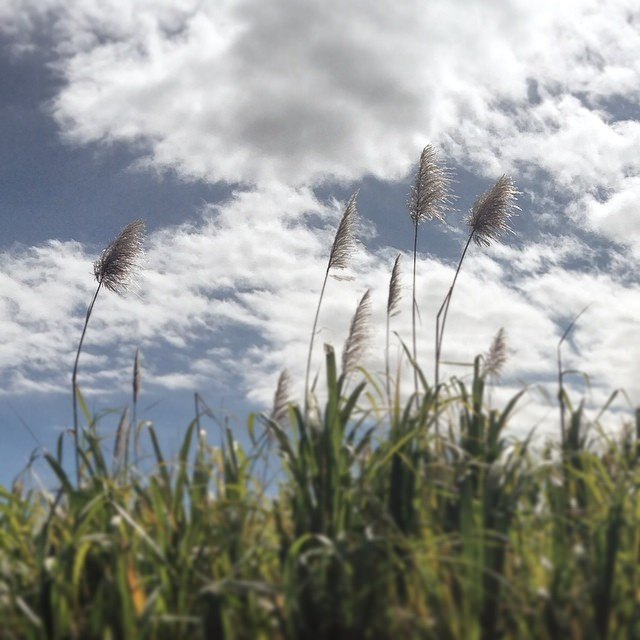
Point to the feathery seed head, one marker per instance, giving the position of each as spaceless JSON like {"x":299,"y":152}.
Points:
{"x":394,"y":289}
{"x":497,"y":355}
{"x":344,"y":242}
{"x":118,"y":262}
{"x":358,"y":339}
{"x":430,"y":194}
{"x":281,"y":399}
{"x":490,"y":214}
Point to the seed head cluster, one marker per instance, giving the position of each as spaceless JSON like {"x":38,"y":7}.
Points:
{"x":119,"y":261}
{"x":496,"y":357}
{"x":489,"y":217}
{"x":344,"y":241}
{"x":359,"y":335}
{"x":430,"y":195}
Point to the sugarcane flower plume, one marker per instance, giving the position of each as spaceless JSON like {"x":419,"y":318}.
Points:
{"x":359,"y":335}
{"x":282,"y":398}
{"x":496,"y":357}
{"x":430,"y":195}
{"x":395,"y":289}
{"x":119,"y":261}
{"x":344,"y":241}
{"x":491,"y":212}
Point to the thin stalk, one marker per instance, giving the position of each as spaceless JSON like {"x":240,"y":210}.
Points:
{"x":341,"y":250}
{"x":311,"y":341}
{"x":488,"y":219}
{"x":441,"y":319}
{"x":561,"y":393}
{"x":561,"y":372}
{"x":414,"y":305}
{"x":74,"y":377}
{"x":428,"y":199}
{"x":444,"y":310}
{"x":392,"y":303}
{"x":135,"y":389}
{"x":386,"y":363}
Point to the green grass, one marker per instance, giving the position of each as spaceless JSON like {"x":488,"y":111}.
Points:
{"x":385,"y":517}
{"x":376,"y":530}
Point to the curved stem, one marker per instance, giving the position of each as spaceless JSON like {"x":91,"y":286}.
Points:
{"x":311,"y":341}
{"x":386,"y":362}
{"x":440,"y":325}
{"x":73,"y":380}
{"x":413,"y":314}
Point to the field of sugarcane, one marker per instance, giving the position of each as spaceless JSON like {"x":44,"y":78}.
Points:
{"x":360,"y":511}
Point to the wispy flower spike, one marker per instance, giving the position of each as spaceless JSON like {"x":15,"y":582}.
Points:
{"x":491,"y":212}
{"x":430,"y":194}
{"x":118,"y":262}
{"x":358,"y":339}
{"x":344,"y":242}
{"x":281,"y":399}
{"x":394,"y":289}
{"x":341,"y":251}
{"x":428,"y":199}
{"x":497,"y":355}
{"x":114,"y":271}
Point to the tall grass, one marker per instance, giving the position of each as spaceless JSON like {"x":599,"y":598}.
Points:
{"x":113,"y":271}
{"x":487,"y":221}
{"x":428,"y":199}
{"x":379,"y":527}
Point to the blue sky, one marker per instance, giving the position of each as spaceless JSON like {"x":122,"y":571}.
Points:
{"x":237,"y":129}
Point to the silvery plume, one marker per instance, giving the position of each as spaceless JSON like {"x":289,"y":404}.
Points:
{"x":491,"y":212}
{"x":119,"y":261}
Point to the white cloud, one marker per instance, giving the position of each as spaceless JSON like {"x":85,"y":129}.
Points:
{"x":284,"y":95}
{"x":252,"y":91}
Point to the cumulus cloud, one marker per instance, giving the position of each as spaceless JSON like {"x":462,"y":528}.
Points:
{"x":251,"y":92}
{"x":282,"y":96}
{"x":254,"y":92}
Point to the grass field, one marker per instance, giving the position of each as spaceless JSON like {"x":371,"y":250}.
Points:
{"x":365,"y":514}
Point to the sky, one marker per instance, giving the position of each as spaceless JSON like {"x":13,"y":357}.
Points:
{"x":237,"y":130}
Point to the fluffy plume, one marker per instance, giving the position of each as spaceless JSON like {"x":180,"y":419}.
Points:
{"x":394,"y":289}
{"x":281,"y":399}
{"x":497,"y":355}
{"x":429,"y":195}
{"x":357,"y":341}
{"x":489,"y":217}
{"x":344,"y":242}
{"x":118,"y":262}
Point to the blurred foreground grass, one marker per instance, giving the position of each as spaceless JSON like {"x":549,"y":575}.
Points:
{"x":376,"y":529}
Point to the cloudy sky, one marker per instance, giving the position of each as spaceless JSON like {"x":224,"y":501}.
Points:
{"x":238,"y":128}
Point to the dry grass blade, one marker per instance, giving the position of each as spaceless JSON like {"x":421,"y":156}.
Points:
{"x":122,"y":434}
{"x":430,"y":192}
{"x":496,"y":357}
{"x":489,"y":217}
{"x":344,"y":242}
{"x":282,"y":398}
{"x":358,"y":339}
{"x":118,"y":262}
{"x":136,"y":376}
{"x":394,"y":289}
